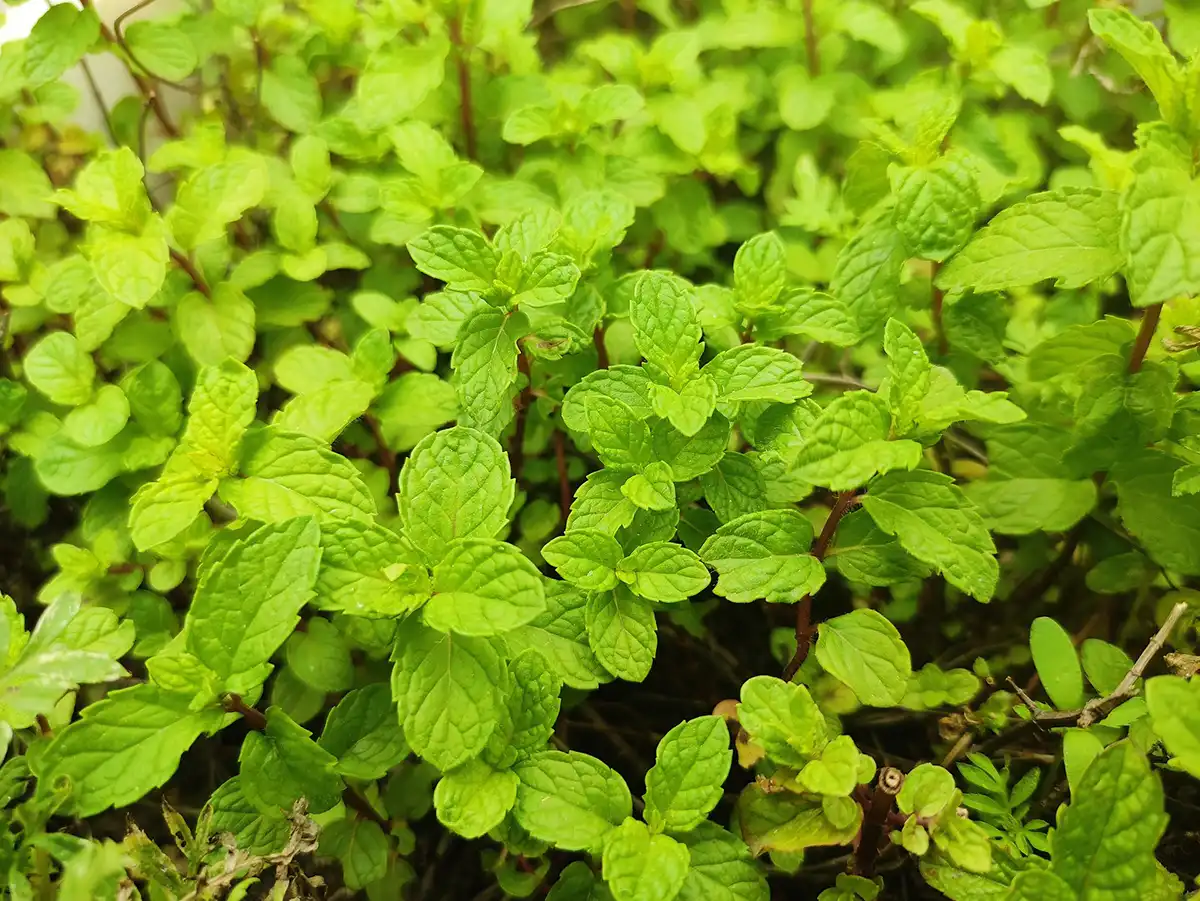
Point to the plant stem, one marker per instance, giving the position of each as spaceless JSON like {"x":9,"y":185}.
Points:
{"x":891,"y":780}
{"x":810,"y":40}
{"x":1142,"y":343}
{"x":564,"y":483}
{"x":185,"y":263}
{"x":254,"y":718}
{"x":465,"y":111}
{"x":360,"y":805}
{"x":601,"y":350}
{"x":804,"y":629}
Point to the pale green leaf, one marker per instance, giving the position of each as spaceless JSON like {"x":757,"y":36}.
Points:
{"x":864,"y":650}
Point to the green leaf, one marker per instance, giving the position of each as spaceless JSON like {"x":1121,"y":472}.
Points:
{"x":663,"y":572}
{"x":58,"y":41}
{"x":220,"y":409}
{"x":867,"y":275}
{"x":570,"y":799}
{"x":622,"y":633}
{"x":282,"y":764}
{"x":835,"y":772}
{"x":1025,"y":506}
{"x":474,"y":798}
{"x":165,"y":507}
{"x":721,"y":868}
{"x":534,"y":704}
{"x":546,"y":278}
{"x":450,"y":690}
{"x":455,"y":484}
{"x":621,"y":439}
{"x":1175,"y":715}
{"x":1104,"y":845}
{"x":286,"y":475}
{"x":631,"y":385}
{"x":123,"y":747}
{"x":214,"y":196}
{"x":787,"y":822}
{"x":752,"y":372}
{"x":131,"y":268}
{"x":484,"y":587}
{"x":783,"y":719}
{"x":864,"y":650}
{"x":641,"y":866}
{"x":1057,"y":663}
{"x":935,"y":523}
{"x":320,"y":657}
{"x":809,"y":314}
{"x":1071,"y":235}
{"x":688,"y":776}
{"x":1040,"y":885}
{"x":691,"y":456}
{"x":600,"y":503}
{"x":110,"y":190}
{"x":362,"y":848}
{"x":688,"y":410}
{"x":666,"y":328}
{"x":461,"y":258}
{"x":215,"y":328}
{"x":59,"y":368}
{"x":248,"y":600}
{"x":936,"y":206}
{"x":764,"y":555}
{"x":485,"y":370}
{"x":291,"y":95}
{"x":368,"y":570}
{"x":100,"y":420}
{"x":652,"y":489}
{"x":586,"y":558}
{"x":865,"y":553}
{"x":162,"y":48}
{"x":927,"y":790}
{"x":560,"y":636}
{"x":1142,"y":46}
{"x":363,"y":734}
{"x":849,"y":443}
{"x":760,"y":272}
{"x":1168,"y":527}
{"x":908,"y":373}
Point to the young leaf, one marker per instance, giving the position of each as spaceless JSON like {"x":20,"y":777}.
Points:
{"x":688,"y":775}
{"x":473,"y":799}
{"x":587,"y":558}
{"x":569,"y":799}
{"x":363,"y":734}
{"x":560,"y":636}
{"x":782,"y":718}
{"x":484,"y":587}
{"x":764,"y":555}
{"x":282,"y":764}
{"x":59,"y":368}
{"x":1140,"y":43}
{"x":1174,"y":713}
{"x":485,"y":369}
{"x":849,"y":443}
{"x":367,"y":570}
{"x":720,"y":868}
{"x":663,"y":572}
{"x":908,"y":373}
{"x":864,"y":650}
{"x":760,"y":271}
{"x":751,"y":372}
{"x":621,"y":439}
{"x":651,"y":489}
{"x":666,"y":328}
{"x":1057,"y":663}
{"x":641,"y":866}
{"x":460,"y":257}
{"x":622,"y":633}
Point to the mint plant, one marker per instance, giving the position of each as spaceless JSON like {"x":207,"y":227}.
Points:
{"x":638,"y":452}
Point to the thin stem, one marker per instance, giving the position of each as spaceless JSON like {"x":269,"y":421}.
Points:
{"x":804,"y":630}
{"x":254,"y":718}
{"x":601,"y":350}
{"x":810,"y":40}
{"x":465,"y":111}
{"x":891,"y":780}
{"x":564,"y":482}
{"x":98,"y":98}
{"x":1142,"y":343}
{"x":1037,"y":584}
{"x":185,"y":263}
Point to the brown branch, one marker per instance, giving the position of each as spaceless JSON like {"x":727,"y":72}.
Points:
{"x":890,"y":781}
{"x":1141,"y":344}
{"x":810,"y":40}
{"x":804,"y":629}
{"x":466,"y":113}
{"x":254,"y":718}
{"x":185,"y":263}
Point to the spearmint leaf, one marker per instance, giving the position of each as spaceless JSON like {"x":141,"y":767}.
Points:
{"x":908,"y":373}
{"x":587,"y":558}
{"x":362,"y":848}
{"x":216,"y":195}
{"x":110,"y":190}
{"x":936,"y":206}
{"x":721,"y":868}
{"x":641,"y":866}
{"x":848,"y":444}
{"x":59,"y":368}
{"x":162,"y":48}
{"x":534,"y":703}
{"x":620,"y":438}
{"x":1025,"y":506}
{"x":1162,"y":224}
{"x":663,"y":572}
{"x":787,"y":822}
{"x":254,"y":832}
{"x":600,"y":503}
{"x":165,"y":507}
{"x":629,"y":384}
{"x":812,"y":315}
{"x":783,"y":719}
{"x":282,"y":764}
{"x":248,"y":601}
{"x":368,"y":570}
{"x":123,"y":747}
{"x":752,"y":372}
{"x":99,"y":420}
{"x":1140,"y":43}
{"x":688,"y":776}
{"x":485,"y":370}
{"x":473,"y":799}
{"x":291,"y":95}
{"x":58,"y":41}
{"x":320,"y":657}
{"x":1167,"y":526}
{"x":1071,"y":235}
{"x":1040,"y":885}
{"x":286,"y":475}
{"x":734,"y":487}
{"x":363,"y":734}
{"x":622,"y":633}
{"x":461,"y":258}
{"x":764,"y":555}
{"x":688,"y":410}
{"x":577,"y":882}
{"x":220,"y":410}
{"x":927,"y":790}
{"x":652,"y":489}
{"x":1057,"y":663}
{"x":864,"y":650}
{"x":455,"y":484}
{"x":450,"y":690}
{"x":863,"y":552}
{"x":1175,"y":715}
{"x":759,"y":272}
{"x":666,"y":328}
{"x":867,"y":275}
{"x":546,"y":278}
{"x":484,"y":587}
{"x":560,"y":636}
{"x":1104,"y":844}
{"x":213,"y":328}
{"x":569,"y":799}
{"x":691,"y":457}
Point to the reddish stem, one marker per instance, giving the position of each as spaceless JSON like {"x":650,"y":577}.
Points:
{"x":254,"y":718}
{"x":466,"y":112}
{"x":1145,"y":334}
{"x":891,"y":780}
{"x":810,"y":40}
{"x":185,"y":263}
